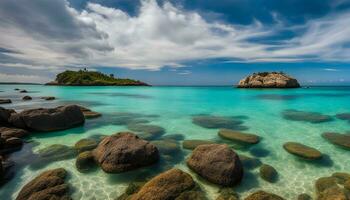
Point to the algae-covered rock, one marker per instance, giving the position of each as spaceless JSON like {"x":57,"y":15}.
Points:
{"x":227,"y":194}
{"x":86,"y":144}
{"x":342,"y":140}
{"x":85,"y":161}
{"x":238,"y":136}
{"x":268,"y":173}
{"x":262,"y":195}
{"x":302,"y":151}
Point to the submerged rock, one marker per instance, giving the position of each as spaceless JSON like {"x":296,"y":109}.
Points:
{"x":342,"y":140}
{"x":55,"y":152}
{"x":249,"y":162}
{"x":325,"y":183}
{"x":167,"y":185}
{"x":5,"y":101}
{"x":51,"y":119}
{"x":27,"y":98}
{"x":328,"y":189}
{"x":304,"y":197}
{"x":23,"y":91}
{"x":343,"y":116}
{"x":85,"y":161}
{"x":302,"y":151}
{"x":148,"y":131}
{"x":167,"y":146}
{"x":268,"y":173}
{"x":48,"y":98}
{"x":215,"y":122}
{"x":192,"y":144}
{"x":262,"y":195}
{"x":268,"y":80}
{"x":227,"y":194}
{"x":341,"y":177}
{"x":123,"y":152}
{"x":85,"y":145}
{"x":48,"y":185}
{"x":238,"y":136}
{"x":217,"y":163}
{"x":312,"y":117}
{"x":6,"y":132}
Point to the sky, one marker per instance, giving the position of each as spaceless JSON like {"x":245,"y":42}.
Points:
{"x":176,"y":42}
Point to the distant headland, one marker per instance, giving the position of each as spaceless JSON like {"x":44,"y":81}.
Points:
{"x":92,"y":78}
{"x":268,"y":80}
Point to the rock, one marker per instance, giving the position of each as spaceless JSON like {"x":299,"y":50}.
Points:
{"x":302,"y":151}
{"x":333,"y":193}
{"x":13,"y":142}
{"x":347,"y":184}
{"x":16,"y":89}
{"x":123,"y":152}
{"x":152,"y":131}
{"x":6,"y":132}
{"x":132,"y":188}
{"x":26,"y":98}
{"x":341,"y":177}
{"x":167,"y":185}
{"x":5,"y":101}
{"x":48,"y":98}
{"x":238,"y":136}
{"x":324,"y":183}
{"x":217,"y":163}
{"x":268,"y":173}
{"x":312,"y":117}
{"x":268,"y":80}
{"x":52,"y":119}
{"x":249,"y":162}
{"x":215,"y":122}
{"x":56,"y":152}
{"x":23,"y":91}
{"x":48,"y":185}
{"x":343,"y":116}
{"x":85,"y":145}
{"x":166,"y":146}
{"x":342,"y":140}
{"x":91,"y":114}
{"x":85,"y":161}
{"x":192,"y":144}
{"x":191,"y":195}
{"x":262,"y":195}
{"x":227,"y":194}
{"x":5,"y":116}
{"x":304,"y":197}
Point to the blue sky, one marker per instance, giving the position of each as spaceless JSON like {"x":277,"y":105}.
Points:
{"x":176,"y":42}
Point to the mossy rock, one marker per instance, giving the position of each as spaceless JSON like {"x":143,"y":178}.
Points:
{"x":302,"y":151}
{"x":167,"y":146}
{"x":342,"y":140}
{"x":262,"y":195}
{"x":347,"y":184}
{"x":304,"y":197}
{"x":240,"y":137}
{"x":341,"y":177}
{"x":227,"y":194}
{"x":268,"y":173}
{"x":324,"y":183}
{"x":86,"y":144}
{"x":85,"y":161}
{"x":192,"y":144}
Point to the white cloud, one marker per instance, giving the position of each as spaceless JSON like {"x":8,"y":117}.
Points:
{"x":157,"y":36}
{"x":22,"y":78}
{"x":331,"y":69}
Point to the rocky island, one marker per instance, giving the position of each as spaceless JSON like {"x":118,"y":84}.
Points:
{"x":268,"y":80}
{"x":92,"y":78}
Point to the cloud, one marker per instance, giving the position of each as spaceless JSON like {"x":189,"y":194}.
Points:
{"x":23,"y":78}
{"x":52,"y":35}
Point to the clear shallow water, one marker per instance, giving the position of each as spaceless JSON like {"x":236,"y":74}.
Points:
{"x":173,"y":108}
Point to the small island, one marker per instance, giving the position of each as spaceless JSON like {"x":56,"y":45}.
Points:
{"x":268,"y":80}
{"x":92,"y":78}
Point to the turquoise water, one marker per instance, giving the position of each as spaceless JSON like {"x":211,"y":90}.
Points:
{"x":173,"y":108}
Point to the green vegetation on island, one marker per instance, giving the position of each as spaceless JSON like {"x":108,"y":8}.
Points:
{"x":92,"y":78}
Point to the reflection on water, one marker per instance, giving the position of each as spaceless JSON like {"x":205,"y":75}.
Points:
{"x":168,"y":115}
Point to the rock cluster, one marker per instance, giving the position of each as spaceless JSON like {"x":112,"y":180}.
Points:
{"x":268,"y":80}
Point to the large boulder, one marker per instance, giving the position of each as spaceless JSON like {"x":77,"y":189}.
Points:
{"x":217,"y":163}
{"x":6,"y":132}
{"x":237,"y":136}
{"x":48,"y":185}
{"x":167,"y":185}
{"x":302,"y":151}
{"x":51,"y":119}
{"x":268,"y":80}
{"x":123,"y":152}
{"x":5,"y":116}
